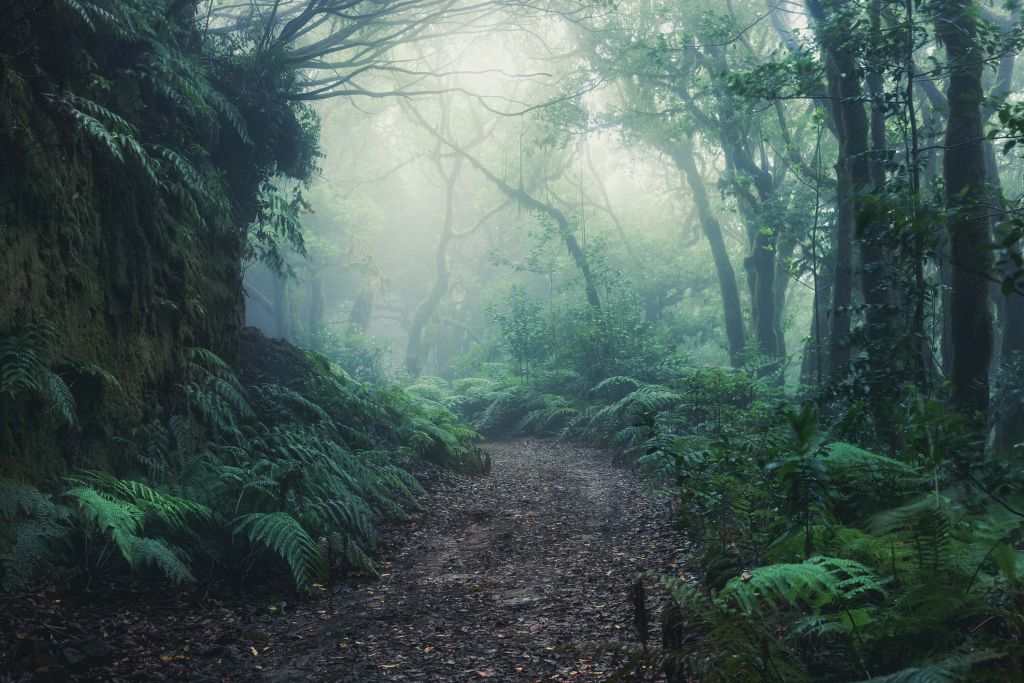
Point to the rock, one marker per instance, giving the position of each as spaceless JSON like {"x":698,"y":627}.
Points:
{"x":96,"y":650}
{"x":76,"y":659}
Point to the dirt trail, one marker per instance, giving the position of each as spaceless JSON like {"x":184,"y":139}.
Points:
{"x":492,"y":580}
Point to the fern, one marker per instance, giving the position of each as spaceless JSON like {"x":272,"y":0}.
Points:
{"x":158,"y":553}
{"x":60,"y":396}
{"x":282,"y":534}
{"x":178,"y":513}
{"x":121,"y":509}
{"x":30,"y":523}
{"x":23,"y":369}
{"x":815,"y":583}
{"x":122,"y":520}
{"x":948,"y":670}
{"x":20,"y":367}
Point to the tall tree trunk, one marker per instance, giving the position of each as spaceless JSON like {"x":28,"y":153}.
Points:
{"x":282,"y":314}
{"x":814,"y":367}
{"x":362,"y":308}
{"x":759,"y":263}
{"x":744,"y":171}
{"x":785,"y":245}
{"x":415,"y":353}
{"x":968,"y":225}
{"x":732,"y":312}
{"x":315,"y":321}
{"x":842,"y":281}
{"x":873,"y":264}
{"x":760,"y":267}
{"x":843,"y":75}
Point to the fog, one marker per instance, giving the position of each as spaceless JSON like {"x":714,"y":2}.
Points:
{"x":515,"y":97}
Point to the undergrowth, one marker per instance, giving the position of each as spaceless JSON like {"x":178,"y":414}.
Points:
{"x":233,"y":474}
{"x":813,"y":557}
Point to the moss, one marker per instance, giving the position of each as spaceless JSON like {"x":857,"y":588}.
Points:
{"x":128,"y":272}
{"x":88,"y":247}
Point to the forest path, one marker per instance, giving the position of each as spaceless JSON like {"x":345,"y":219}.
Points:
{"x":492,"y":579}
{"x":496,"y":576}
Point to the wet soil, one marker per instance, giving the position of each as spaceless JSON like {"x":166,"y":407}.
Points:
{"x":511,"y":576}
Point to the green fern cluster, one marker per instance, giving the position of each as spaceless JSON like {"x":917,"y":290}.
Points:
{"x":120,"y":511}
{"x":620,"y":410}
{"x":25,"y":369}
{"x":825,"y":561}
{"x":170,"y":80}
{"x":31,"y":524}
{"x":819,"y":559}
{"x":235,"y":473}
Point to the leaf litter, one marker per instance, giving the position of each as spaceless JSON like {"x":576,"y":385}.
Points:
{"x":507,"y":576}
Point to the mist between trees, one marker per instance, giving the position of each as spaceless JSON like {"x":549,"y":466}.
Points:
{"x":263,"y":260}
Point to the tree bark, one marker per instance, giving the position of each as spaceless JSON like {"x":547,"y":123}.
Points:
{"x":732,"y":312}
{"x":414,"y":351}
{"x":362,"y":308}
{"x":282,"y":315}
{"x":843,"y":75}
{"x":968,"y":225}
{"x":315,"y":322}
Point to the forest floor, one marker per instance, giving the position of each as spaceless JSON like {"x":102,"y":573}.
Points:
{"x":506,"y":576}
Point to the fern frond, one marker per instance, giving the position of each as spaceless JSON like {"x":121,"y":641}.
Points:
{"x":122,"y":520}
{"x":29,"y":524}
{"x":60,"y":396}
{"x":162,"y":555}
{"x":282,"y":534}
{"x":815,"y":583}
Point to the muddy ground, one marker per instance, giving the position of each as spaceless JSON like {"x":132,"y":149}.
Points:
{"x":507,"y":576}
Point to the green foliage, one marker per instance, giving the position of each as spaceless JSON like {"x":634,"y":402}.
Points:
{"x":523,"y":332}
{"x":827,"y":559}
{"x":30,"y":524}
{"x":283,"y":535}
{"x":120,"y":511}
{"x":299,"y":473}
{"x":24,"y":368}
{"x":819,"y":559}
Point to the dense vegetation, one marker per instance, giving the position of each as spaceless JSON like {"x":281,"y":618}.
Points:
{"x":770,"y":254}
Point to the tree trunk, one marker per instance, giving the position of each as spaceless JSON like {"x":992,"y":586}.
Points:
{"x":362,"y":308}
{"x":282,"y":316}
{"x":760,"y":267}
{"x":415,"y":353}
{"x":968,"y":225}
{"x":785,"y":245}
{"x":315,"y":322}
{"x":854,"y":171}
{"x":732,"y":312}
{"x":815,"y":361}
{"x":842,"y":281}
